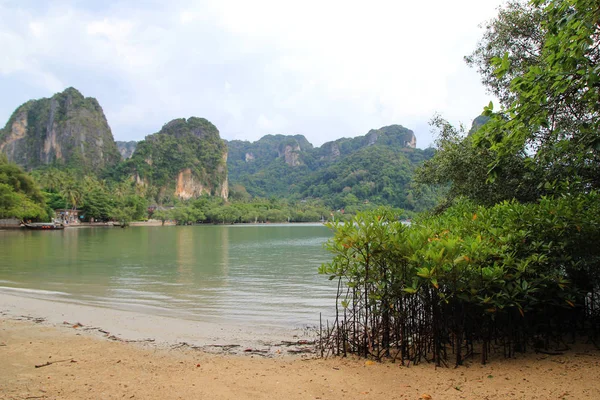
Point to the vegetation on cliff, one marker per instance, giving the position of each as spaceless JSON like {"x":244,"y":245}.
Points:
{"x":20,"y":197}
{"x":345,"y":174}
{"x":180,"y":145}
{"x":67,"y":129}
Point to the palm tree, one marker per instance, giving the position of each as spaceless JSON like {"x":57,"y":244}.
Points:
{"x":52,"y":180}
{"x":72,"y":193}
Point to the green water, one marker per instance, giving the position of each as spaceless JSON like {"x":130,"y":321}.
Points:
{"x":257,"y":274}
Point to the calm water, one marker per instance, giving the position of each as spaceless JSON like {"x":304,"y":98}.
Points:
{"x":249,"y":274}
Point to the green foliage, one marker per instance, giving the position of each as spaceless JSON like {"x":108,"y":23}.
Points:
{"x":507,"y":273}
{"x":516,"y":32}
{"x":377,"y":174}
{"x":20,"y":197}
{"x":552,"y":111}
{"x":348,"y":174}
{"x":462,"y":168}
{"x":216,"y":210}
{"x":193,"y":144}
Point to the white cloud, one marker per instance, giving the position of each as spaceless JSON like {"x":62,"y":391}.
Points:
{"x":324,"y":69}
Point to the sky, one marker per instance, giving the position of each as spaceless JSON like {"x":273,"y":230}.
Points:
{"x":325,"y":69}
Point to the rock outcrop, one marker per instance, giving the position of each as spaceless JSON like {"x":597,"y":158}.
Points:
{"x":126,"y":148}
{"x":392,"y":135}
{"x":186,"y":159}
{"x":275,"y":165}
{"x":291,"y":153}
{"x":268,"y":149}
{"x":66,"y":129}
{"x":478,"y":123}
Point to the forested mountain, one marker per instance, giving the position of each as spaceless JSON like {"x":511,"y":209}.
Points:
{"x":67,"y":129}
{"x":185,"y":159}
{"x":188,"y":159}
{"x":376,"y":167}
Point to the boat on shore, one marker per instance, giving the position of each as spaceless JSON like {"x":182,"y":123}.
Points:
{"x":46,"y":226}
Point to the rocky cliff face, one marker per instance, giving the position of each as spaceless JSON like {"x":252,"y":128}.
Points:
{"x":186,"y":159}
{"x":67,"y":129}
{"x":478,"y":123}
{"x":291,"y":153}
{"x":377,"y":166}
{"x":126,"y":148}
{"x":268,"y":149}
{"x":392,"y":135}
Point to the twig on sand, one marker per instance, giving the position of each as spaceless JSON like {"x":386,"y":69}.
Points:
{"x":296,"y":343}
{"x":301,"y":351}
{"x":118,"y":339}
{"x":54,"y":362}
{"x":548,"y":352}
{"x":224,"y":347}
{"x":30,"y":318}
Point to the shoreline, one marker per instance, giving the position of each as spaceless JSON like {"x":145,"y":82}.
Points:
{"x":47,"y":362}
{"x":160,"y":331}
{"x":154,"y":223}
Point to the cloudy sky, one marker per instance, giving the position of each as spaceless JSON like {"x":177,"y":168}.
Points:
{"x":322,"y":68}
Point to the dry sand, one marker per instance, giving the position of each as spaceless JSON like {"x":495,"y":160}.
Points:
{"x":84,"y":366}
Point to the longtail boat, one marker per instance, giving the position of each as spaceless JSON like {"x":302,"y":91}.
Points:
{"x":45,"y":226}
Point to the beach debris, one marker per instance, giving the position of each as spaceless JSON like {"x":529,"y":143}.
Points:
{"x":37,"y":320}
{"x":185,"y":344}
{"x":549,"y":352}
{"x":54,"y":362}
{"x":93,"y":328}
{"x":224,"y":346}
{"x":425,"y":396}
{"x":296,"y":343}
{"x":250,"y":350}
{"x":369,"y":362}
{"x":73,"y":325}
{"x":301,"y":351}
{"x":118,"y":339}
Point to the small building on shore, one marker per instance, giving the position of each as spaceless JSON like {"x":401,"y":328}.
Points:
{"x":67,"y":216}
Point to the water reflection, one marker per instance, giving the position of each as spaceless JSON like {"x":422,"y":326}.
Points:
{"x":261,"y":274}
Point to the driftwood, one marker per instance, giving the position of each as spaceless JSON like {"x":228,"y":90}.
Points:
{"x":118,"y":339}
{"x":54,"y":362}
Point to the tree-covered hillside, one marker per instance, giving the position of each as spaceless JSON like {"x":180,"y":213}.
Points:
{"x":187,"y":158}
{"x":346,"y":173}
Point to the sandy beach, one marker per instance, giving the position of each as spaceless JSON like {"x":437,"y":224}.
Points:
{"x":80,"y":359}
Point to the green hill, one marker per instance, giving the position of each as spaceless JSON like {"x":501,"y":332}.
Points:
{"x":185,"y":159}
{"x":376,"y":167}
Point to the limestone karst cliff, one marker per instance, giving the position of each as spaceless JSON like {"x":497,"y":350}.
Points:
{"x":126,"y":148}
{"x":281,"y":165}
{"x":185,"y":159}
{"x":66,"y":129}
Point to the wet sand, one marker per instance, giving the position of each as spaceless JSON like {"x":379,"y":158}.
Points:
{"x":83,"y":360}
{"x":163,"y":331}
